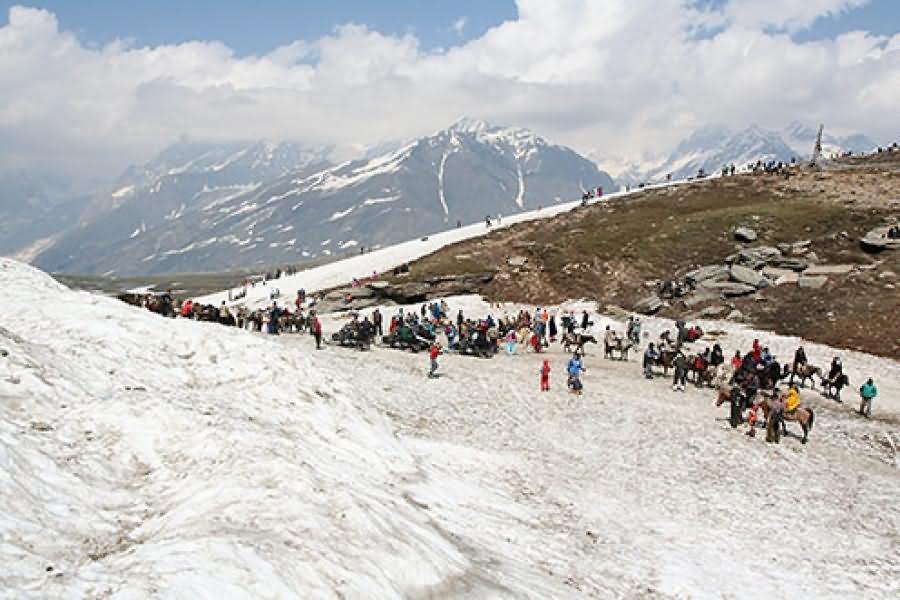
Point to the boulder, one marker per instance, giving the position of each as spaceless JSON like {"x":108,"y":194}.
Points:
{"x":378,"y":285}
{"x":801,"y":247}
{"x":884,"y":276}
{"x":794,"y":264}
{"x":729,"y":289}
{"x":745,"y":234}
{"x":706,"y":273}
{"x":758,"y":257}
{"x":812,"y":282}
{"x":735,"y":315}
{"x":517,"y":261}
{"x":780,"y":276}
{"x":828,"y":270}
{"x":711,"y":312}
{"x":748,"y":276}
{"x":699,"y":297}
{"x":648,"y":305}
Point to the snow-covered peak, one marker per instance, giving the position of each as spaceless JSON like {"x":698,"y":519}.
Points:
{"x":469,"y":125}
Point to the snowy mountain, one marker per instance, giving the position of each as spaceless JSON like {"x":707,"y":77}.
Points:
{"x":36,"y":208}
{"x":459,"y":174}
{"x":713,"y":146}
{"x":184,"y":178}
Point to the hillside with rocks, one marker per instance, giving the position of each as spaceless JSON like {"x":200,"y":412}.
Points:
{"x":780,"y":252}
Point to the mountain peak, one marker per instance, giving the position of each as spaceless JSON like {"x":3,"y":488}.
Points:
{"x":469,"y":125}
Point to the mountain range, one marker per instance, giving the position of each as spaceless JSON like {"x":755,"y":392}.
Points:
{"x":713,"y":146}
{"x":204,"y":208}
{"x":210,"y":207}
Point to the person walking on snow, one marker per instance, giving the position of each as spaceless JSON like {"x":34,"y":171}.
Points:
{"x":433,"y":354}
{"x":650,"y":357}
{"x":316,"y":327}
{"x":575,"y":369}
{"x":545,"y":376}
{"x":867,"y":392}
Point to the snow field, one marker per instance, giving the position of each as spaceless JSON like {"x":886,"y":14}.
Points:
{"x":243,"y":465}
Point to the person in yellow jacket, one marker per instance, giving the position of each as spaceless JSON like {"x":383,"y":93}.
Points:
{"x":792,"y":400}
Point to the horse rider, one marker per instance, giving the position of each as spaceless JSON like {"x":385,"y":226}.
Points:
{"x":717,"y":357}
{"x":792,"y":399}
{"x":867,"y":392}
{"x":799,"y":359}
{"x":837,"y":369}
{"x":650,"y":357}
{"x":665,"y":341}
{"x":609,"y":342}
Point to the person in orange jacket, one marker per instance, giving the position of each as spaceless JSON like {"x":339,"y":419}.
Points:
{"x":545,"y":376}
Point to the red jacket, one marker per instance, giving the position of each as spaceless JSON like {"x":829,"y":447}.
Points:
{"x":316,"y":325}
{"x":435,"y":352}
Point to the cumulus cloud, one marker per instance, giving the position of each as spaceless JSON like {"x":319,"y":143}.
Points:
{"x":617,"y":77}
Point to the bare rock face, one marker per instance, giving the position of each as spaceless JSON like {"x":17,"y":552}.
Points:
{"x":707,"y":273}
{"x":812,"y":282}
{"x":648,"y":305}
{"x":748,"y":276}
{"x":745,"y":234}
{"x":828,"y":270}
{"x":730,"y":289}
{"x":517,"y":261}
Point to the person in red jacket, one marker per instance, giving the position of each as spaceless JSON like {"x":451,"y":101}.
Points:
{"x":736,"y":360}
{"x":186,"y":308}
{"x":757,"y":351}
{"x":545,"y":376}
{"x":316,"y":327}
{"x":433,"y":354}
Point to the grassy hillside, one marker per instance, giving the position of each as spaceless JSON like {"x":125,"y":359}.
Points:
{"x":611,"y":251}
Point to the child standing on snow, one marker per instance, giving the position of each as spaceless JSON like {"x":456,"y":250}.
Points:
{"x":545,"y":376}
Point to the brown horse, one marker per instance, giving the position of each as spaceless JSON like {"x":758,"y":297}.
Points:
{"x":803,"y":415}
{"x":578,"y":340}
{"x":806,"y":371}
{"x":666,"y":360}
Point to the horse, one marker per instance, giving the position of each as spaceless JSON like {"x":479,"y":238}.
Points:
{"x":805,"y":371}
{"x":578,"y":340}
{"x":736,"y":400}
{"x":622,"y":346}
{"x":706,"y":375}
{"x":769,"y":376}
{"x":666,"y":360}
{"x":803,"y":415}
{"x":832,"y":388}
{"x":723,"y":374}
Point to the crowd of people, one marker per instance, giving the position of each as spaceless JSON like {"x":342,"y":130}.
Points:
{"x":533,"y":331}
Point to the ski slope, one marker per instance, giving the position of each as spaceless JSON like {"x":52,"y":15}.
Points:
{"x":146,"y":457}
{"x":342,"y":272}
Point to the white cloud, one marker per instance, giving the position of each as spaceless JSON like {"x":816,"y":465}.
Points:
{"x":459,"y":25}
{"x":621,"y":76}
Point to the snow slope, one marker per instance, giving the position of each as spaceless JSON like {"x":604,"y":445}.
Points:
{"x":151,"y":457}
{"x":343,"y":271}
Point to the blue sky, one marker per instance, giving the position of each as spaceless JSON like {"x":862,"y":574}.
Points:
{"x":257,"y":27}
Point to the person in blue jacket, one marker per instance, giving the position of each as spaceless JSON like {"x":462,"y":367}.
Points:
{"x":867,"y":391}
{"x":575,"y":369}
